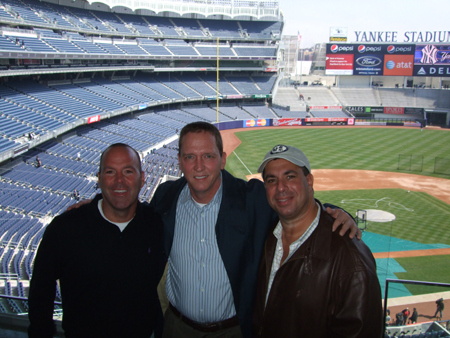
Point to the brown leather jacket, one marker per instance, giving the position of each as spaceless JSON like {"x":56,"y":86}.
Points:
{"x":328,"y":288}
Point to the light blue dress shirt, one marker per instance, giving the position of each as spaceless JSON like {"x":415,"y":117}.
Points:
{"x":197,"y":282}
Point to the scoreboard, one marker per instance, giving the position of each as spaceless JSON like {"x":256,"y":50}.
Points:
{"x":387,"y":59}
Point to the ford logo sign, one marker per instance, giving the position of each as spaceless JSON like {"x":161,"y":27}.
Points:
{"x":368,"y":61}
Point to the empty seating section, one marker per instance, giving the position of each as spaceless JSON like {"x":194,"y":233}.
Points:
{"x":224,"y":50}
{"x":107,"y":22}
{"x":25,"y":13}
{"x":190,"y":27}
{"x":234,"y":112}
{"x":193,"y":81}
{"x":36,"y":106}
{"x":161,"y":122}
{"x":158,"y":87}
{"x":141,"y":88}
{"x":73,"y":165}
{"x":244,"y":84}
{"x":8,"y":44}
{"x":57,"y":99}
{"x":172,"y":82}
{"x":154,"y":134}
{"x":162,"y":162}
{"x":265,"y":82}
{"x":6,"y":144}
{"x":137,"y":23}
{"x":118,"y":89}
{"x":50,"y":14}
{"x":398,"y":97}
{"x":113,"y":22}
{"x":319,"y":96}
{"x":38,"y":203}
{"x":155,"y":49}
{"x":259,"y":111}
{"x":140,"y":140}
{"x":224,"y":86}
{"x":163,"y":25}
{"x":14,"y":129}
{"x":109,"y":137}
{"x":4,"y":14}
{"x":261,"y":29}
{"x":353,"y":96}
{"x":63,"y":45}
{"x":89,"y":47}
{"x":110,"y":48}
{"x":219,"y":28}
{"x":89,"y":19}
{"x":32,"y":44}
{"x":255,"y":51}
{"x":117,"y":99}
{"x":205,"y":113}
{"x":50,"y":180}
{"x":87,"y":96}
{"x":179,"y":115}
{"x":46,"y":33}
{"x":182,"y":50}
{"x":25,"y":115}
{"x":89,"y":150}
{"x":131,"y":49}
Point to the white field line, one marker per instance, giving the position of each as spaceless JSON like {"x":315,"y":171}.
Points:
{"x":242,"y":162}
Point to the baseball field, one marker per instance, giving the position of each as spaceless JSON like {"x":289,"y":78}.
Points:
{"x":391,"y":170}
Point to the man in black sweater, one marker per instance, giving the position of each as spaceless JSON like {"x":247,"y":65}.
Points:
{"x":108,"y":257}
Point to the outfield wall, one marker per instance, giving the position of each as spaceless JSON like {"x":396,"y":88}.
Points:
{"x":284,"y":122}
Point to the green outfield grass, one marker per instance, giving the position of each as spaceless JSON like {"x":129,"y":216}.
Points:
{"x":425,"y":269}
{"x":349,"y":148}
{"x":420,"y":218}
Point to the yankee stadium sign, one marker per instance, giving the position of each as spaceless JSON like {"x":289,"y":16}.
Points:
{"x":409,"y":36}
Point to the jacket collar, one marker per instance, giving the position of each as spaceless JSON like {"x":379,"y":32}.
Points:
{"x":317,"y":245}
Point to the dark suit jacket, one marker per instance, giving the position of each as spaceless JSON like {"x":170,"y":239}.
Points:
{"x":242,"y":225}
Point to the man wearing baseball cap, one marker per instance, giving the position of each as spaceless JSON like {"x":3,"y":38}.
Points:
{"x":311,"y":282}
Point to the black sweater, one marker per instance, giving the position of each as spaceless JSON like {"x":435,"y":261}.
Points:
{"x":108,"y":278}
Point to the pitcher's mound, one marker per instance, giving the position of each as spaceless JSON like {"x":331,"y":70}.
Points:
{"x":375,"y":215}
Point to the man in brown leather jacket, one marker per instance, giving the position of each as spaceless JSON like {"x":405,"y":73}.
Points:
{"x":311,"y":282}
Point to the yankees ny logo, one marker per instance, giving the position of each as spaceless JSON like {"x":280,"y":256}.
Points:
{"x":429,"y":54}
{"x":279,"y":149}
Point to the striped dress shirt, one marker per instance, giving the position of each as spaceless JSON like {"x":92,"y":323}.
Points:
{"x":197,"y":282}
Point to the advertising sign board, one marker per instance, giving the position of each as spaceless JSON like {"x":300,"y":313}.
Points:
{"x":369,"y":59}
{"x":432,"y":60}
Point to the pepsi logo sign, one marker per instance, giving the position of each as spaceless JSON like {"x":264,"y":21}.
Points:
{"x":363,"y":49}
{"x":392,"y":49}
{"x":336,"y":48}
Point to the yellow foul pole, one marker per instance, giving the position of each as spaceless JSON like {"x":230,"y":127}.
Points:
{"x":217,"y":103}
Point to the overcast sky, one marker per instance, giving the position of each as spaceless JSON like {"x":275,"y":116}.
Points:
{"x":313,"y":18}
